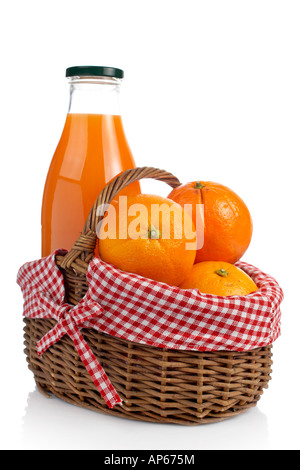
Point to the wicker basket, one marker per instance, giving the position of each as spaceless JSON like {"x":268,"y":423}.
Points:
{"x":158,"y":385}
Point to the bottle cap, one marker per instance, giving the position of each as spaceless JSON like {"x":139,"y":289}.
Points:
{"x":93,"y":70}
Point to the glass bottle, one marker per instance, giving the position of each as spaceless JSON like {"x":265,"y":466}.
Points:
{"x":92,"y":150}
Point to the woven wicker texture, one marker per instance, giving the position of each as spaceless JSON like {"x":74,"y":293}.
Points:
{"x":158,"y":385}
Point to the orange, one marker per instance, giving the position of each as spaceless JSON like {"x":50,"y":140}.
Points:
{"x":149,"y":238}
{"x":219,"y":278}
{"x":224,"y":222}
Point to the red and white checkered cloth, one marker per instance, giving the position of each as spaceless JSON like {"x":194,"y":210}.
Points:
{"x":137,"y":309}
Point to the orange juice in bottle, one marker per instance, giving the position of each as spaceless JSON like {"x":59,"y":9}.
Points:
{"x":92,"y":150}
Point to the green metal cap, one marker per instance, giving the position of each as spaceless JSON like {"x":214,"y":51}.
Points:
{"x":93,"y":70}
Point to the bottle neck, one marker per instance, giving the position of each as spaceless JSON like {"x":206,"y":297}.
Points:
{"x":94,"y":95}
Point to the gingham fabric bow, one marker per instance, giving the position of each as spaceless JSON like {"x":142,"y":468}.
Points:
{"x":43,"y":290}
{"x":137,"y":309}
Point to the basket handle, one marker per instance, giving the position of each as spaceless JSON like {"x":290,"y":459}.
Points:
{"x":85,"y":245}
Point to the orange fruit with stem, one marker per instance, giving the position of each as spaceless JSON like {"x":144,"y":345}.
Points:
{"x":219,"y":278}
{"x":152,"y":237}
{"x":222,"y":219}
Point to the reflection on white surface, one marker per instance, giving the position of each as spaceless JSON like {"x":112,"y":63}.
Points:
{"x":55,"y":424}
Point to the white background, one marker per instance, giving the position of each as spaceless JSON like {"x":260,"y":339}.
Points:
{"x":212,"y":92}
